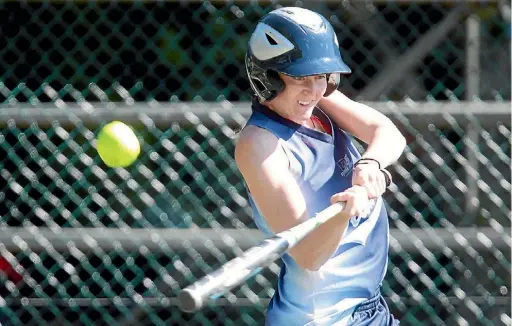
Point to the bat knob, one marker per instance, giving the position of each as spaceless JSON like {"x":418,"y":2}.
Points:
{"x":188,"y":301}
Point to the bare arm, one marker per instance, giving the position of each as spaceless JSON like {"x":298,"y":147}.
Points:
{"x":264,"y":167}
{"x":385,"y":142}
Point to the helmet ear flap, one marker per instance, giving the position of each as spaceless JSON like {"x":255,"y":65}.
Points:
{"x":333,"y":81}
{"x":277,"y":84}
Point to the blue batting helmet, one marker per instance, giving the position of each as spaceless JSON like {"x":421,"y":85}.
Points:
{"x":296,"y":42}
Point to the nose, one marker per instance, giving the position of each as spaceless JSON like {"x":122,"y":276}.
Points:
{"x":314,"y":85}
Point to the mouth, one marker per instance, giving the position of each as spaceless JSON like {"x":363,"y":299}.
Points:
{"x":305,"y":103}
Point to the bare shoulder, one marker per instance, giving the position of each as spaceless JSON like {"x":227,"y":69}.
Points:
{"x":256,"y":146}
{"x":255,"y":141}
{"x":253,"y":133}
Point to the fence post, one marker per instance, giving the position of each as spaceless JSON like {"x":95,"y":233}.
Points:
{"x":472,"y":134}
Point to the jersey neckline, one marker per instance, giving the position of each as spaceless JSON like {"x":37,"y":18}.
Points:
{"x":322,"y":136}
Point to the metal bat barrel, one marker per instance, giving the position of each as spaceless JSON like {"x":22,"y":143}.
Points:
{"x":251,"y":262}
{"x":232,"y":273}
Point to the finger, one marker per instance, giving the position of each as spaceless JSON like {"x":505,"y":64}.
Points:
{"x":360,"y":177}
{"x":378,"y":186}
{"x":349,"y":209}
{"x":382,"y":185}
{"x":362,"y":202}
{"x":357,"y":179}
{"x":341,"y":197}
{"x":348,"y":197}
{"x":372,"y":187}
{"x":356,"y":201}
{"x":374,"y":181}
{"x":357,"y":208}
{"x":373,"y":192}
{"x":365,"y":177}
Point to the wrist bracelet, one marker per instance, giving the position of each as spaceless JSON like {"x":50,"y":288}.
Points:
{"x":367,"y":161}
{"x":387,"y":176}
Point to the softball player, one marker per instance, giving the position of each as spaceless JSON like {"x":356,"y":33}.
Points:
{"x":296,"y":157}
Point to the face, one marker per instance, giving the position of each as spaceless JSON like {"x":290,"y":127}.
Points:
{"x":299,"y":97}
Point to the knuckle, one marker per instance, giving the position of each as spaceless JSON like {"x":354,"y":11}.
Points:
{"x":358,"y":179}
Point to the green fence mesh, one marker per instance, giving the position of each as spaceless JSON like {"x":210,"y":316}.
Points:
{"x":194,"y":50}
{"x":63,"y":61}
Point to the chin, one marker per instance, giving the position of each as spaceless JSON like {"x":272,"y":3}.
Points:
{"x":307,"y":111}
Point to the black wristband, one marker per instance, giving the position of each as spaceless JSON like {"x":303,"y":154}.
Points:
{"x":367,"y":161}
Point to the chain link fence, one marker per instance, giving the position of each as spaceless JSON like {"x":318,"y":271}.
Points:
{"x":84,"y":244}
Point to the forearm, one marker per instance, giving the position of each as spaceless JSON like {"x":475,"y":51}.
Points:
{"x":385,"y":142}
{"x":316,"y":249}
{"x":386,"y":145}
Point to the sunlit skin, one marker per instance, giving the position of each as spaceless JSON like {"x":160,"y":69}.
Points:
{"x":309,"y":89}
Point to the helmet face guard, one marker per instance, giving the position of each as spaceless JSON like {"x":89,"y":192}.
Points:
{"x":295,"y":42}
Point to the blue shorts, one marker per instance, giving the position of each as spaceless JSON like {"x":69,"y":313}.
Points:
{"x":372,"y":312}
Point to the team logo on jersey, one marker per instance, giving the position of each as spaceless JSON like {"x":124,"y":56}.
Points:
{"x":345,"y":165}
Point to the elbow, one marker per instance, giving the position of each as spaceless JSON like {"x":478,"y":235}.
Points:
{"x":305,"y":259}
{"x":397,"y":138}
{"x":313,"y":268}
{"x":308,"y":264}
{"x":399,"y":145}
{"x":402,"y":142}
{"x":310,"y":267}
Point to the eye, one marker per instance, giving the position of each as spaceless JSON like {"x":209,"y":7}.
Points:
{"x":321,"y":77}
{"x":299,"y":78}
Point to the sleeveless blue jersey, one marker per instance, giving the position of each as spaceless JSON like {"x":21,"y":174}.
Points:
{"x":322,"y":165}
